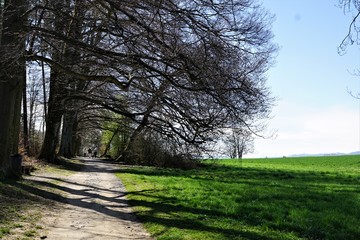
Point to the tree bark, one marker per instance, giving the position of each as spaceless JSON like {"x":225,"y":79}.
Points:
{"x":12,"y":75}
{"x":44,"y":89}
{"x":72,"y":56}
{"x":25,"y":120}
{"x":68,"y":135}
{"x":59,"y":82}
{"x":53,"y":122}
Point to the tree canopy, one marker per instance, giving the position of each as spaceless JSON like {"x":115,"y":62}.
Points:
{"x":183,"y":69}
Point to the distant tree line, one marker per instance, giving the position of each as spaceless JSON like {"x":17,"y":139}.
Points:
{"x":151,"y":79}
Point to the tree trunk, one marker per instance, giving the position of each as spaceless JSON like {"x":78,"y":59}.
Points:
{"x":44,"y":89}
{"x":152,"y":104}
{"x":59,"y":84}
{"x":72,"y":57}
{"x":77,"y":145}
{"x":15,"y":128}
{"x":128,"y":147}
{"x":109,"y":143}
{"x":241,"y":152}
{"x":25,"y":120}
{"x":31,"y":114}
{"x":7,"y":114}
{"x":53,"y":122}
{"x":12,"y":75}
{"x":68,"y":135}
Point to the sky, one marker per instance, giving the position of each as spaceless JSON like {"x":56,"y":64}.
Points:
{"x":314,"y":111}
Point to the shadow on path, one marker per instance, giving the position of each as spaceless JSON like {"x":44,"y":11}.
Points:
{"x":91,"y":197}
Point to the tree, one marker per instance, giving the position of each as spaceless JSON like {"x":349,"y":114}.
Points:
{"x":239,"y":142}
{"x":12,"y":78}
{"x":115,"y":134}
{"x":60,"y":83}
{"x":36,"y":102}
{"x":183,"y":69}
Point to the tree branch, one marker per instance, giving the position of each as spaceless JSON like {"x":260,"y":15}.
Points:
{"x":110,"y":79}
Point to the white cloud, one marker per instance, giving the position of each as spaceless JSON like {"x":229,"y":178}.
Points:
{"x":305,"y":129}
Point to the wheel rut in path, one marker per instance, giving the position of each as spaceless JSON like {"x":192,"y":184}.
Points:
{"x":93,"y":206}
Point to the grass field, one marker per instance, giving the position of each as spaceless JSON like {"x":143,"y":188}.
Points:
{"x":287,"y":198}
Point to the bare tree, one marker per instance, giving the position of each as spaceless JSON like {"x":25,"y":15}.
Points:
{"x":238,"y":142}
{"x":35,"y":98}
{"x":180,"y":68}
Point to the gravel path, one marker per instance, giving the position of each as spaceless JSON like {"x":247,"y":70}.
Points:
{"x":94,"y":206}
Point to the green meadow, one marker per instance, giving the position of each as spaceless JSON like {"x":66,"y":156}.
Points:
{"x":287,"y":198}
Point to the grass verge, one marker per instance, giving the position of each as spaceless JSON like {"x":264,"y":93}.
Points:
{"x":23,"y":203}
{"x":64,"y":166}
{"x":292,"y":198}
{"x":20,"y":210}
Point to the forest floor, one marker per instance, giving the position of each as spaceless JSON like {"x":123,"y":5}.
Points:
{"x":88,"y":204}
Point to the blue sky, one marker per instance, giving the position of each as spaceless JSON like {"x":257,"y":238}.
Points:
{"x":314,"y":112}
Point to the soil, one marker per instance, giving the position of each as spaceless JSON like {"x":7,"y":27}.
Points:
{"x":90,"y":204}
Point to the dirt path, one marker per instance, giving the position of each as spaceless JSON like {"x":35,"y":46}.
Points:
{"x":93,"y":206}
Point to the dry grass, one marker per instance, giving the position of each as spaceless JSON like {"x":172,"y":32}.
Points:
{"x":21,"y":209}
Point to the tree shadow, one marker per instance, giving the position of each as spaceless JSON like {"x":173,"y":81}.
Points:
{"x":49,"y":182}
{"x":87,"y":196}
{"x":309,"y":204}
{"x":50,"y":191}
{"x":106,"y":165}
{"x":285,"y":192}
{"x":14,"y":201}
{"x":81,"y":195}
{"x":91,"y":165}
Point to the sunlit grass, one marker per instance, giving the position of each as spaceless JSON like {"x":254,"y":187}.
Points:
{"x":348,"y":164}
{"x":289,"y":198}
{"x":19,"y":209}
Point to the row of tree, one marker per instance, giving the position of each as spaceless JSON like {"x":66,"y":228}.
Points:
{"x":177,"y":70}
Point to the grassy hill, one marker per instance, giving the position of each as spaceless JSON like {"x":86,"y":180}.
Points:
{"x":287,"y":198}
